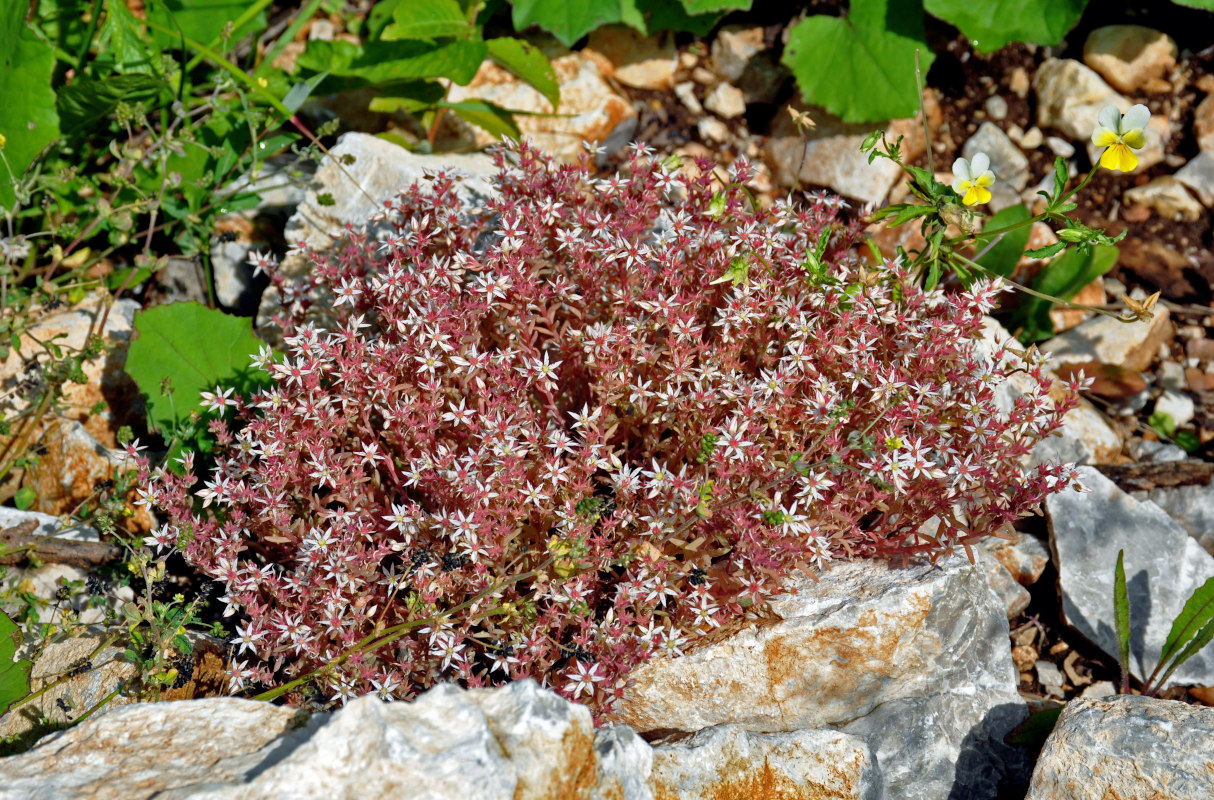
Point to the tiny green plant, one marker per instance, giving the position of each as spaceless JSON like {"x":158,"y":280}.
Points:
{"x":1191,"y":631}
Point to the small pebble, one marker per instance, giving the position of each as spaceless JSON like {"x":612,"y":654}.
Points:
{"x":701,"y":75}
{"x":713,"y":130}
{"x":1032,"y":138}
{"x":996,"y":107}
{"x":1060,"y":146}
{"x":686,"y":92}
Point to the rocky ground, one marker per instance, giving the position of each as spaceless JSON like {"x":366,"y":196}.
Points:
{"x":729,"y":97}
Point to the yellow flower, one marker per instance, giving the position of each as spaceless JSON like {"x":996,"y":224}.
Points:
{"x":262,"y":82}
{"x":971,"y":179}
{"x":3,"y":140}
{"x":1121,"y":136}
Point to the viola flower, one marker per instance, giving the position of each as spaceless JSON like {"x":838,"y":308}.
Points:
{"x":1121,"y":136}
{"x":972,"y":179}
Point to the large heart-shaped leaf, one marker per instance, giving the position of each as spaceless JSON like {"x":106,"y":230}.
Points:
{"x":28,"y":121}
{"x":990,"y":24}
{"x":861,"y":67}
{"x":529,"y":64}
{"x":432,"y":19}
{"x":184,"y":349}
{"x":570,"y":20}
{"x":14,"y":675}
{"x":387,"y":62}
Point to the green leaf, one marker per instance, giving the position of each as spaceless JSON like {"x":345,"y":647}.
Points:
{"x":991,"y":24}
{"x":705,"y":6}
{"x":28,"y":120}
{"x":1196,"y":615}
{"x":1163,"y":423}
{"x":429,"y":19}
{"x":567,"y":20}
{"x":1121,"y":614}
{"x":412,"y":97}
{"x":1208,"y":5}
{"x":1187,"y":441}
{"x":25,"y":497}
{"x":662,"y":15}
{"x":1195,"y":645}
{"x":171,"y":347}
{"x":379,"y":63}
{"x":493,"y":118}
{"x":527,"y":63}
{"x":1062,"y":278}
{"x":122,"y":45}
{"x":14,"y":675}
{"x":86,"y":102}
{"x":301,"y":91}
{"x":1049,"y":251}
{"x":1005,"y":254}
{"x":861,"y":67}
{"x":201,"y":20}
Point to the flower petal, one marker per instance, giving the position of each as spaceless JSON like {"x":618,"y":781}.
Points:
{"x":1127,"y":158}
{"x":1135,"y":119}
{"x":1109,"y":159}
{"x":971,"y":195}
{"x":1103,"y":137}
{"x":1110,"y":118}
{"x":980,"y":163}
{"x":960,"y":185}
{"x":1135,"y":138}
{"x":961,"y":169}
{"x":985,"y":179}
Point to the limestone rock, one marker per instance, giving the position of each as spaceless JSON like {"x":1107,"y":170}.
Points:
{"x":1163,"y":565}
{"x":1085,"y":437}
{"x":1021,"y":554}
{"x":595,"y":111}
{"x":1127,"y":746}
{"x":1191,"y":506}
{"x":898,"y":657}
{"x":642,"y":62}
{"x":1203,"y":124}
{"x":725,"y":101}
{"x":1198,"y":175}
{"x":832,"y":156}
{"x":727,"y":761}
{"x":1070,"y":97}
{"x":732,"y":49}
{"x":1177,"y":406}
{"x":518,"y":742}
{"x":1128,"y":56}
{"x":1131,"y":345}
{"x":379,"y":171}
{"x":1167,"y":197}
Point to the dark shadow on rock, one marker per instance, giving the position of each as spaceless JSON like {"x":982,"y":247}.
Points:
{"x":987,"y":767}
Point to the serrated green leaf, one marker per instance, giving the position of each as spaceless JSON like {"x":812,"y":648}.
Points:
{"x":121,"y":42}
{"x":1049,"y":251}
{"x":1121,"y":614}
{"x":28,"y":120}
{"x":1005,"y":254}
{"x":1197,"y":613}
{"x":568,"y":20}
{"x":380,"y":63}
{"x":86,"y":102}
{"x":491,"y":117}
{"x":195,"y":349}
{"x":430,"y":19}
{"x":991,"y":24}
{"x":14,"y":675}
{"x":527,"y":63}
{"x":861,"y":67}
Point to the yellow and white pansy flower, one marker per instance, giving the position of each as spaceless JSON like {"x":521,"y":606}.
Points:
{"x":1121,"y":135}
{"x":972,"y":179}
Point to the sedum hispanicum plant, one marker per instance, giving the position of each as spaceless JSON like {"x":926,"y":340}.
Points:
{"x":583,"y":426}
{"x":950,"y":226}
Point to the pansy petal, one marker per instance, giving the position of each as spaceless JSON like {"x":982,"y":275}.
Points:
{"x":1135,"y":119}
{"x":983,"y":195}
{"x":1104,"y":137}
{"x":961,"y":168}
{"x":1109,"y":159}
{"x":979,"y":164}
{"x":1110,"y":118}
{"x":1126,"y":158}
{"x":960,"y":185}
{"x":985,"y":179}
{"x":1135,"y":138}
